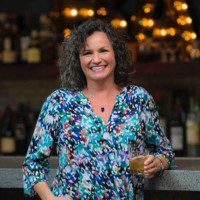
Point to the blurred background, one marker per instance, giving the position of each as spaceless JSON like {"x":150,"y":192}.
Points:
{"x":163,"y":37}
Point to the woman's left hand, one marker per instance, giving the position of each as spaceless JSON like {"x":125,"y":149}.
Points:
{"x":151,"y":166}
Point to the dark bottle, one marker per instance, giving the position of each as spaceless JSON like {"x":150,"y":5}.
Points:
{"x":47,"y":40}
{"x":24,"y":38}
{"x":34,"y":49}
{"x":193,"y":129}
{"x":2,"y":22}
{"x":177,"y":129}
{"x":21,"y":130}
{"x":8,"y":144}
{"x":10,"y":41}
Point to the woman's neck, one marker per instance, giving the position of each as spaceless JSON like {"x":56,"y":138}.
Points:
{"x":101,"y":91}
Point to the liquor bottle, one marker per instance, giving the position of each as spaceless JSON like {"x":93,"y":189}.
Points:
{"x":21,"y":130}
{"x":193,"y":129}
{"x":9,"y":53}
{"x":47,"y":40}
{"x":2,"y":22}
{"x":177,"y":129}
{"x":34,"y":51}
{"x":8,"y":145}
{"x":24,"y":39}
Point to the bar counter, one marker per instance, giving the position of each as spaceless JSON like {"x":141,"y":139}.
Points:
{"x":186,"y":178}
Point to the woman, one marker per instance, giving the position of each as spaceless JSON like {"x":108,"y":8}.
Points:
{"x":98,"y":121}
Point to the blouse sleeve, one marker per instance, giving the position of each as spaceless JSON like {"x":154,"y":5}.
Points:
{"x":155,"y":138}
{"x":36,"y":165}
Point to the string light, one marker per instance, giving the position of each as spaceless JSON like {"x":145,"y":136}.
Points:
{"x":146,"y":22}
{"x":188,"y":35}
{"x":70,"y":12}
{"x":184,"y":20}
{"x":102,"y":11}
{"x":85,"y":12}
{"x":118,"y":23}
{"x":67,"y":33}
{"x":140,"y":37}
{"x":133,"y":18}
{"x":180,"y":6}
{"x":148,"y":7}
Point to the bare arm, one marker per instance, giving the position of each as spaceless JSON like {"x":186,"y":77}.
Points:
{"x":43,"y":190}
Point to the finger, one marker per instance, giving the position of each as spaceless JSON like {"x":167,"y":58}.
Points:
{"x":149,"y":159}
{"x":149,"y":166}
{"x":150,"y":171}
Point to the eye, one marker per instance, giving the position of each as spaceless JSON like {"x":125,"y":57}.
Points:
{"x":103,"y":50}
{"x":85,"y":53}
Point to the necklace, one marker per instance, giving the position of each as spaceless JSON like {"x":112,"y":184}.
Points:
{"x":102,"y":109}
{"x":99,"y":106}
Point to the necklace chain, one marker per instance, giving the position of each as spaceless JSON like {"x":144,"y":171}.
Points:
{"x":102,"y":106}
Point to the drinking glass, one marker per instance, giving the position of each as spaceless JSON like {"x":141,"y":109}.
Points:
{"x":137,"y":163}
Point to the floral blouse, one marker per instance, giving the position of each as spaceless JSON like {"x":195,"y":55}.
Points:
{"x":94,"y":156}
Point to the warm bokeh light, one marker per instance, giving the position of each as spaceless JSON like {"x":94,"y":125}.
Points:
{"x":146,"y":22}
{"x":184,"y":6}
{"x":133,"y":18}
{"x":189,"y":47}
{"x":188,"y":35}
{"x":102,"y":11}
{"x":184,"y":20}
{"x":70,"y":12}
{"x":171,"y":31}
{"x":67,"y":33}
{"x":162,"y":32}
{"x":119,"y":23}
{"x":140,"y":37}
{"x":180,"y":6}
{"x":123,"y":23}
{"x":148,"y":7}
{"x":85,"y":12}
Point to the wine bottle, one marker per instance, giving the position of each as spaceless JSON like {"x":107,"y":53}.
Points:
{"x":34,"y":50}
{"x":177,"y":130}
{"x":24,"y":38}
{"x":9,"y":54}
{"x":20,"y":130}
{"x":193,"y":129}
{"x":47,"y":38}
{"x":8,"y":145}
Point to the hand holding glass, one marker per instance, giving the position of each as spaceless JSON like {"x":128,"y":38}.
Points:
{"x":137,"y":163}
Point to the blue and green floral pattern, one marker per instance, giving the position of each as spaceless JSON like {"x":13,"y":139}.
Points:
{"x":94,"y":156}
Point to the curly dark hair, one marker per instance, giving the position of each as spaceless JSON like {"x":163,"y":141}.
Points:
{"x":71,"y":74}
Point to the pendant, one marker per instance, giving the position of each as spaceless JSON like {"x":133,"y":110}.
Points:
{"x":102,"y":109}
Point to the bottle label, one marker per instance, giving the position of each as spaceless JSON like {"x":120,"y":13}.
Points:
{"x":8,"y":145}
{"x":9,"y":57}
{"x":176,"y":136}
{"x":192,"y":132}
{"x":34,"y":55}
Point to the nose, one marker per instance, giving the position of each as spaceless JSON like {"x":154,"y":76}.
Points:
{"x":96,"y":58}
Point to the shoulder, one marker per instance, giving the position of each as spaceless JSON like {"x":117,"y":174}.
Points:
{"x":141,"y":96}
{"x":61,"y":94}
{"x":59,"y":98}
{"x":138,"y":92}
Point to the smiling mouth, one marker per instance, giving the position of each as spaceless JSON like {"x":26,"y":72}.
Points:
{"x":98,"y":68}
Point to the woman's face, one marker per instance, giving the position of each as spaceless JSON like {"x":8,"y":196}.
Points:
{"x":97,"y":58}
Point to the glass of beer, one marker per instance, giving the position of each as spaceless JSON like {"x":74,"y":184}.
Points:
{"x":137,"y":164}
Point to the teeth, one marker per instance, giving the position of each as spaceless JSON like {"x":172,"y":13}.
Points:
{"x":98,"y":68}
